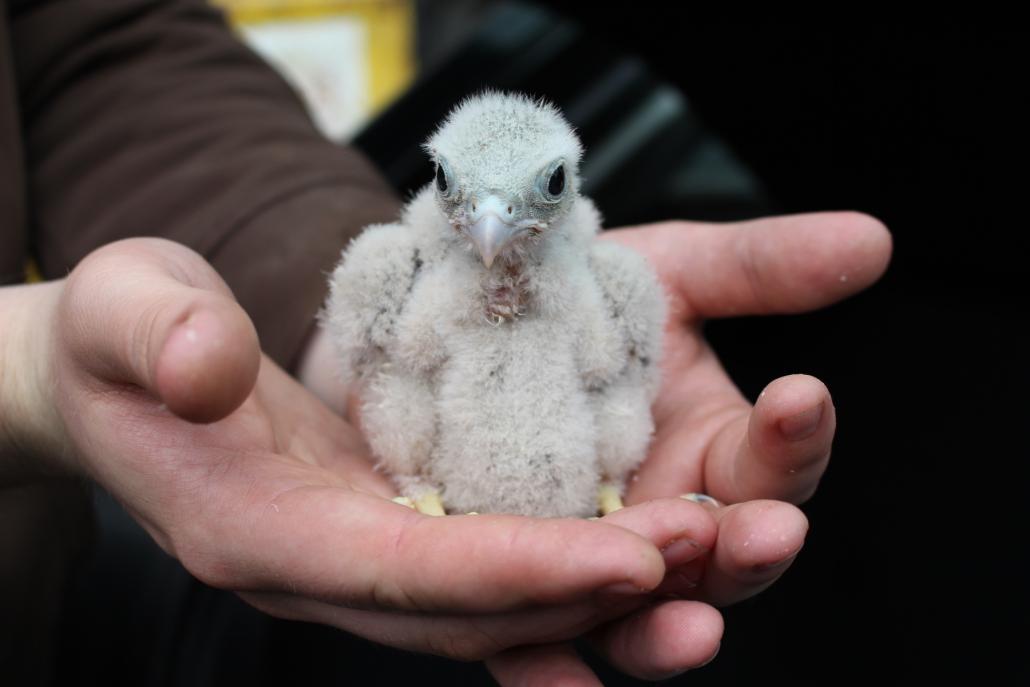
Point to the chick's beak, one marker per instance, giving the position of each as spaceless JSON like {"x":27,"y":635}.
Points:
{"x":490,"y":235}
{"x":489,"y":232}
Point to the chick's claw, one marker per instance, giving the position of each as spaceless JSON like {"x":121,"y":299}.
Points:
{"x":608,"y":499}
{"x":430,"y":503}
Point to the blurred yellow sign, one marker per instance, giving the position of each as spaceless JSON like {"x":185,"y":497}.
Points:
{"x":347,"y":58}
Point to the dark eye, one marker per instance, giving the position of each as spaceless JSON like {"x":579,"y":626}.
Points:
{"x":441,"y":179}
{"x":556,"y":184}
{"x":551,"y":184}
{"x":444,"y":180}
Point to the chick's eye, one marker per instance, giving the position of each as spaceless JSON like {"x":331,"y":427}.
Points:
{"x":556,"y":184}
{"x":441,"y":179}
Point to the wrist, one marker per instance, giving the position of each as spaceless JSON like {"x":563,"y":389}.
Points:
{"x":32,"y":441}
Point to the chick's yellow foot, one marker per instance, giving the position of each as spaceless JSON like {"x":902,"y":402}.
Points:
{"x":608,"y":499}
{"x":429,"y":504}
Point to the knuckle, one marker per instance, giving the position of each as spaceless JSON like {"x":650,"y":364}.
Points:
{"x":751,"y":269}
{"x":388,"y":595}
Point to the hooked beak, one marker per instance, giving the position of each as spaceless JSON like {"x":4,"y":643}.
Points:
{"x":490,"y":234}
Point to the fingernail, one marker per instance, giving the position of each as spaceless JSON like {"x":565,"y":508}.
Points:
{"x":802,"y":425}
{"x":775,"y":565}
{"x":703,"y":499}
{"x":712,"y":657}
{"x":679,"y":551}
{"x":680,"y":671}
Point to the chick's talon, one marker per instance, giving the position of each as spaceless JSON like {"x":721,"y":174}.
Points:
{"x":403,"y":501}
{"x":430,"y":504}
{"x":608,"y":499}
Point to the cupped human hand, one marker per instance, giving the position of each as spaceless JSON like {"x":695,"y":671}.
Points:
{"x":710,"y":439}
{"x":751,"y":463}
{"x":162,"y":396}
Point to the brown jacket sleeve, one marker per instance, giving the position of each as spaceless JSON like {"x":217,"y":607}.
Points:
{"x":149,"y":118}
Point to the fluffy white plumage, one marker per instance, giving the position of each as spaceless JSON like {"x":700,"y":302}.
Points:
{"x":508,"y":359}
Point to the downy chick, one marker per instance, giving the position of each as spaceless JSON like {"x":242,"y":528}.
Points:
{"x":508,"y":360}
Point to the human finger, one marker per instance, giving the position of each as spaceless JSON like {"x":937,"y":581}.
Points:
{"x":541,"y":666}
{"x":466,"y":637}
{"x":662,"y":640}
{"x":153,"y":314}
{"x":758,"y":541}
{"x":783,"y":264}
{"x":482,"y":635}
{"x":670,"y":637}
{"x":358,"y":550}
{"x":525,"y":647}
{"x":689,"y":532}
{"x":778,"y":449}
{"x":681,"y":530}
{"x":654,"y":643}
{"x":711,"y":438}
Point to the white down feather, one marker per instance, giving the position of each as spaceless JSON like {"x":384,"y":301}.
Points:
{"x":523,"y":416}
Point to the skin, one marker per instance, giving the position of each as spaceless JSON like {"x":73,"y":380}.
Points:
{"x":760,"y":459}
{"x":274,"y":497}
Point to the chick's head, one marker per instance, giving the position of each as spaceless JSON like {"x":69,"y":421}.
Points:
{"x":506,"y":172}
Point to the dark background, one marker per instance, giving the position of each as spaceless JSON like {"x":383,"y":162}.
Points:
{"x":910,"y":571}
{"x":910,"y":568}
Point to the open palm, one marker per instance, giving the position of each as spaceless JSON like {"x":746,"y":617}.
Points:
{"x":257,"y":487}
{"x":275,"y":497}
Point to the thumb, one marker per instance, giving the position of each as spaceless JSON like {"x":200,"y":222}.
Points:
{"x":154,"y":314}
